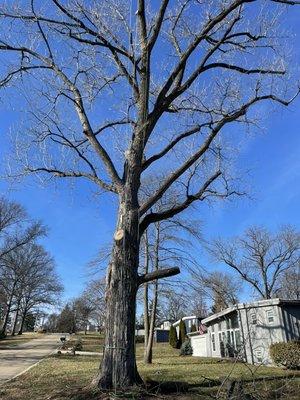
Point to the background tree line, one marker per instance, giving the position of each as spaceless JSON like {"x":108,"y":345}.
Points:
{"x":28,"y":280}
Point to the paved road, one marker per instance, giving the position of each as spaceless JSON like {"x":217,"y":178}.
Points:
{"x":15,"y":360}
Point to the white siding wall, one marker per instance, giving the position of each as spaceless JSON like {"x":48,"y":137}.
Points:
{"x":260,"y":332}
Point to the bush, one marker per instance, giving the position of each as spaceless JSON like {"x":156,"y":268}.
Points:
{"x":173,"y":337}
{"x":2,"y":335}
{"x":139,"y":339}
{"x":186,"y":348}
{"x":78,"y":345}
{"x":193,"y":328}
{"x":286,"y":354}
{"x":182,"y":334}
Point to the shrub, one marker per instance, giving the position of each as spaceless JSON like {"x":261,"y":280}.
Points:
{"x":2,"y":335}
{"x":182,"y":334}
{"x":193,"y":328}
{"x":186,"y":348}
{"x":78,"y":345}
{"x":286,"y":354}
{"x":139,"y":339}
{"x":173,"y":337}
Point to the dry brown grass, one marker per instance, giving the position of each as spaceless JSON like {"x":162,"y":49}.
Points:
{"x":58,"y":377}
{"x":11,"y":341}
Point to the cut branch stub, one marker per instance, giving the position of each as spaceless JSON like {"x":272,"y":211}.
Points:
{"x":119,"y":235}
{"x":162,"y":273}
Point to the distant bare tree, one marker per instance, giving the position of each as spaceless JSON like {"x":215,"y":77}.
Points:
{"x":219,"y":289}
{"x":260,"y":257}
{"x":29,"y":281}
{"x":16,"y":229}
{"x":41,"y":286}
{"x":289,"y":284}
{"x":115,"y":92}
{"x":166,"y":245}
{"x":95,"y":292}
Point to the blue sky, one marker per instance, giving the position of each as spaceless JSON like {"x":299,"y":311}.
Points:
{"x":80,"y":222}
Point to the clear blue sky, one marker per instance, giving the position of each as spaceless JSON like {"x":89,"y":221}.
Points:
{"x":80,"y":222}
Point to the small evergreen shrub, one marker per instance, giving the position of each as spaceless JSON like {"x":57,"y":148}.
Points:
{"x":2,"y":335}
{"x":139,"y":339}
{"x":286,"y":354}
{"x":193,"y":328}
{"x":173,"y":337}
{"x":186,"y":348}
{"x":182,"y":334}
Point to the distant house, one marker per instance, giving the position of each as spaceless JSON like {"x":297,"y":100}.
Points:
{"x":166,"y":324}
{"x":247,"y":330}
{"x":189,"y":322}
{"x":161,"y":333}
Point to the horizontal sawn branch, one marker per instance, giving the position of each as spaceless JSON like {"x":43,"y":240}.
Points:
{"x":162,"y":273}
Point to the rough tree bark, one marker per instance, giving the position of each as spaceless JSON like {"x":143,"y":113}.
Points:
{"x":13,"y":332}
{"x":118,"y":368}
{"x":5,"y":321}
{"x":22,"y":322}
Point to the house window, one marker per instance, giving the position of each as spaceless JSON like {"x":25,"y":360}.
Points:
{"x":270,"y":316}
{"x":212,"y":328}
{"x":253,"y":319}
{"x":237,"y":339}
{"x":228,"y":337}
{"x":220,"y":337}
{"x":213,"y":342}
{"x":235,"y":321}
{"x":232,"y":338}
{"x":220,"y":326}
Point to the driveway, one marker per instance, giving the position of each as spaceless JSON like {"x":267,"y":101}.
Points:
{"x":17,"y":359}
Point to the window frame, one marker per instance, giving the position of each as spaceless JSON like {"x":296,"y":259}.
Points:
{"x":213,"y":342}
{"x":272,"y":316}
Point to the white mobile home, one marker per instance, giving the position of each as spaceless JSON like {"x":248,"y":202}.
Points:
{"x":247,"y":330}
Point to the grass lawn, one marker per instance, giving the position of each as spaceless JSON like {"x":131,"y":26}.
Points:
{"x":90,"y":342}
{"x":56,"y":376}
{"x":10,"y":341}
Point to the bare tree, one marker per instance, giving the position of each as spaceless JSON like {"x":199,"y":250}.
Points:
{"x":217,"y":288}
{"x":289,"y":284}
{"x":260,"y":257}
{"x":165,"y":247}
{"x":16,"y":229}
{"x":29,"y":281}
{"x":84,"y":310}
{"x":141,"y":82}
{"x":95,"y":292}
{"x":41,"y":286}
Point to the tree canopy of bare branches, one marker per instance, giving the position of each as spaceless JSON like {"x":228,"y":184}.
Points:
{"x":260,"y":257}
{"x":115,"y":93}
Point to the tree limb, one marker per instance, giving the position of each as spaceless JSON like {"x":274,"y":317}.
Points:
{"x":159,"y":274}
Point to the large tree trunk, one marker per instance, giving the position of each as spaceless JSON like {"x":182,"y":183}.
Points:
{"x":146,"y":297}
{"x":5,"y":322}
{"x":22,"y":322}
{"x":150,"y":336}
{"x":118,"y":368}
{"x":16,"y":319}
{"x":149,"y":345}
